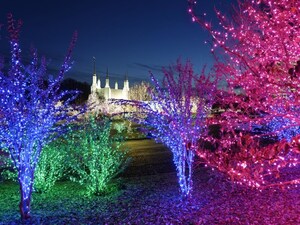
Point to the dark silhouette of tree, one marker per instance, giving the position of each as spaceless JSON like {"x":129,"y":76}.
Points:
{"x":83,"y":88}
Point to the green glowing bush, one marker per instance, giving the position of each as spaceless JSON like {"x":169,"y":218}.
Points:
{"x":96,"y":156}
{"x":50,"y":168}
{"x":8,"y":172}
{"x":5,"y":166}
{"x":120,"y":127}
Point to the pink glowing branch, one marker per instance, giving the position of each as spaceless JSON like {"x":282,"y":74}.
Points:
{"x":261,"y":56}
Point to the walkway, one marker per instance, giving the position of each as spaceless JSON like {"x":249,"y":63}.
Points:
{"x":148,"y":158}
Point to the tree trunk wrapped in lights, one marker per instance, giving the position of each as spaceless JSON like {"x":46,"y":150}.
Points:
{"x":33,"y":112}
{"x":50,"y":168}
{"x":258,"y":49}
{"x":176,"y":115}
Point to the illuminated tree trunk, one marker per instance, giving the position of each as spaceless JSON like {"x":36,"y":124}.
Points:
{"x":26,"y":184}
{"x":184,"y":171}
{"x":30,"y":114}
{"x":25,"y":201}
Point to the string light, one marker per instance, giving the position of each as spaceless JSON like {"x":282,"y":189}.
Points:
{"x":30,"y":114}
{"x":176,"y":115}
{"x":96,"y":155}
{"x":262,"y":59}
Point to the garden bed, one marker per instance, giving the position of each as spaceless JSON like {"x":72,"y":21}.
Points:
{"x":154,"y":199}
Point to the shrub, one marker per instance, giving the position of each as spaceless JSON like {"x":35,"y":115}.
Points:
{"x":5,"y":166}
{"x":50,"y":167}
{"x":96,"y":156}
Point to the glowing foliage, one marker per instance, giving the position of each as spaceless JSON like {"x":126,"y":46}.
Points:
{"x":284,"y":128}
{"x":261,"y":45}
{"x":259,"y":52}
{"x":139,"y":92}
{"x":97,"y":157}
{"x":246,"y":161}
{"x":31,"y":115}
{"x":51,"y":166}
{"x":177,"y":114}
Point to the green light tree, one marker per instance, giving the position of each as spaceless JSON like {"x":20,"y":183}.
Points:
{"x":96,"y":157}
{"x":50,"y":168}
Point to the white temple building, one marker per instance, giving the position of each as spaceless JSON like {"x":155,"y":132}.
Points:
{"x":107,"y":92}
{"x":99,"y":99}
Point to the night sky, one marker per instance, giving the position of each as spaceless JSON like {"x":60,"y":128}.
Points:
{"x":132,"y":36}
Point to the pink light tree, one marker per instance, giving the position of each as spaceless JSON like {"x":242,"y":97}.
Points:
{"x":258,"y":51}
{"x":176,"y":115}
{"x":33,"y":112}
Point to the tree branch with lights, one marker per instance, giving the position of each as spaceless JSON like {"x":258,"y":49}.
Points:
{"x":33,"y":111}
{"x":258,"y":51}
{"x":176,"y":115}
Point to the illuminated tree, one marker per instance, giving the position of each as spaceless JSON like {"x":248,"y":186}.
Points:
{"x":96,"y":157}
{"x":50,"y":168}
{"x":177,"y":115}
{"x":261,"y":44}
{"x":258,"y":49}
{"x":33,"y":112}
{"x":139,"y":91}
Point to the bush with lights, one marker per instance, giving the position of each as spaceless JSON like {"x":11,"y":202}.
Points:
{"x":96,"y":157}
{"x":50,"y":168}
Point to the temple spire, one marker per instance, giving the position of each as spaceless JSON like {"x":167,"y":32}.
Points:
{"x":107,"y":73}
{"x":126,"y":82}
{"x":94,"y":60}
{"x":107,"y":79}
{"x":94,"y":84}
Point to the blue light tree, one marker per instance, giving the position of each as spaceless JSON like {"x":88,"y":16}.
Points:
{"x":33,"y":111}
{"x":284,"y":123}
{"x":176,"y":115}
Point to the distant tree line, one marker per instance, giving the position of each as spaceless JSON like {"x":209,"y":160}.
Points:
{"x":83,"y":88}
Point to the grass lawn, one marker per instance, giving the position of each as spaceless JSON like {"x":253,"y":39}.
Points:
{"x":154,"y":199}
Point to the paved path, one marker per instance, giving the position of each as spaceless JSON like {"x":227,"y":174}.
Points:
{"x":148,"y":158}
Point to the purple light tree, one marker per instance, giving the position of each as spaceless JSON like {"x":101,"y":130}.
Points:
{"x":33,"y":112}
{"x":176,"y":115}
{"x":257,"y":47}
